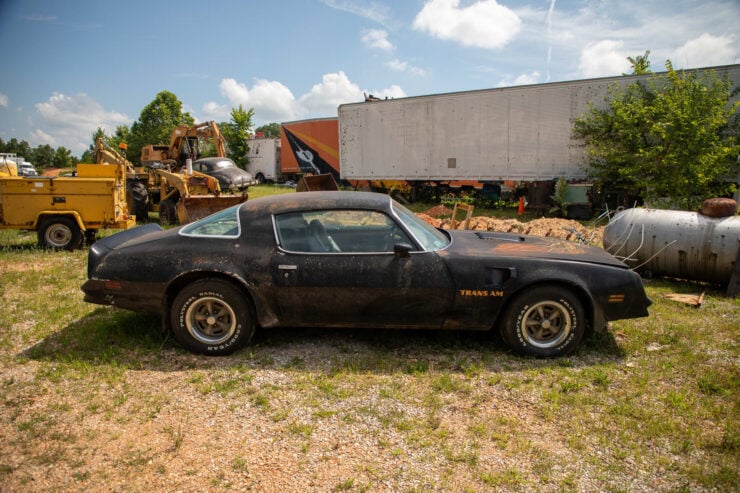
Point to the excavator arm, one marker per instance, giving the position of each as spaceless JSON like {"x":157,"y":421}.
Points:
{"x":184,"y":141}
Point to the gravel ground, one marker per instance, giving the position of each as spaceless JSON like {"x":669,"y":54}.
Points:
{"x":322,"y":410}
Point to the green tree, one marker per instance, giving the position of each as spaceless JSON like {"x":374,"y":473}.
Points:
{"x":270,"y":130}
{"x":155,"y":124}
{"x":62,"y":158}
{"x":666,"y":138}
{"x":20,"y":148}
{"x":640,"y":64}
{"x":236,"y":133}
{"x":43,"y":156}
{"x":88,"y":156}
{"x":122,"y":134}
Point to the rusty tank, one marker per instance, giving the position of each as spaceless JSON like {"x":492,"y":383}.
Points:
{"x":681,"y":244}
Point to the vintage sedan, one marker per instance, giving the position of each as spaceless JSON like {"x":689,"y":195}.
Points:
{"x":357,"y":260}
{"x":230,"y":177}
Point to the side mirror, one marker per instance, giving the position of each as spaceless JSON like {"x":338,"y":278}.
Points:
{"x":402,"y":249}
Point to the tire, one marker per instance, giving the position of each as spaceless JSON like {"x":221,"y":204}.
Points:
{"x":138,"y":200}
{"x":212,"y":317}
{"x":545,"y":322}
{"x":60,"y":233}
{"x":167,"y":213}
{"x":260,"y":178}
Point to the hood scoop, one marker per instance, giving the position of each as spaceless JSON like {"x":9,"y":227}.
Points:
{"x":495,"y":236}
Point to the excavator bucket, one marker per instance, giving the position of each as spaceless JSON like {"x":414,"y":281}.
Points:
{"x":314,"y":183}
{"x":194,"y":207}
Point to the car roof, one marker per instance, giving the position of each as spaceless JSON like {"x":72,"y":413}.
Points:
{"x":213,"y":160}
{"x":298,"y":201}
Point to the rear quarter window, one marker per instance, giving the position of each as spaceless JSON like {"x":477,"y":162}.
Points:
{"x":224,"y":224}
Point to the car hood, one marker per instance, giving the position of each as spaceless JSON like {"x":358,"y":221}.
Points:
{"x":485,"y":243}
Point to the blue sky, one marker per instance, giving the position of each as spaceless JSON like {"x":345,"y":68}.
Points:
{"x":72,"y":66}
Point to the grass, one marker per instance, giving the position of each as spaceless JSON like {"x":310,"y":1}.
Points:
{"x":93,"y":395}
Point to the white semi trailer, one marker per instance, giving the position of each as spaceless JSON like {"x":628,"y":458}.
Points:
{"x":519,"y":133}
{"x":264,"y":159}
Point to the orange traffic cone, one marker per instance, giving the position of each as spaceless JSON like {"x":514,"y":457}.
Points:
{"x":521,"y":206}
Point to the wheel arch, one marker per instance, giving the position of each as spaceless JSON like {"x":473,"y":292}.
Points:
{"x":44,"y":216}
{"x":180,"y":282}
{"x":579,"y":290}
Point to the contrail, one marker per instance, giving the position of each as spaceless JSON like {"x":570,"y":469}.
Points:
{"x":549,"y":37}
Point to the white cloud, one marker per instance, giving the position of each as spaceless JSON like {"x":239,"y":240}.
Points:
{"x":216,"y":112}
{"x":271,"y":100}
{"x":367,"y":9}
{"x":70,"y":121}
{"x":40,"y":18}
{"x":401,"y":66}
{"x":707,"y":50}
{"x":325,"y":97}
{"x":377,"y":39}
{"x":521,"y":80}
{"x":393,"y":91}
{"x":603,"y":59}
{"x":484,"y":24}
{"x":39,"y":137}
{"x":3,"y":100}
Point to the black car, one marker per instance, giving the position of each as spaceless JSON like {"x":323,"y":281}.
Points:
{"x":355,"y":259}
{"x":230,"y":177}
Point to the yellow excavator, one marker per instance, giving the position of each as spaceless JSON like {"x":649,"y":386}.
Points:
{"x":178,"y":196}
{"x":185,"y":143}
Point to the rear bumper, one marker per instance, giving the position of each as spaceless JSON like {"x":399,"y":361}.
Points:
{"x":138,"y":297}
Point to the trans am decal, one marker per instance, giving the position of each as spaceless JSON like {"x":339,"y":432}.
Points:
{"x":481,"y":293}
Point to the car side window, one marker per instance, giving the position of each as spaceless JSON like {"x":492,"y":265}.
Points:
{"x":339,"y":231}
{"x":223,"y":224}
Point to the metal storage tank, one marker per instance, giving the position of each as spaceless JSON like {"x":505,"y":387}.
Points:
{"x":680,"y":244}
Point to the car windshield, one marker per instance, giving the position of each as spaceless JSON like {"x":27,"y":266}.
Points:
{"x":224,"y":224}
{"x":429,"y":237}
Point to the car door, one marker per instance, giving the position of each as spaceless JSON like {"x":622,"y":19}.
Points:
{"x":338,"y":268}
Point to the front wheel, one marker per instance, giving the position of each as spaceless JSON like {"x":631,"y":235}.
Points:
{"x":212,"y":317}
{"x":545,"y":321}
{"x":60,"y":233}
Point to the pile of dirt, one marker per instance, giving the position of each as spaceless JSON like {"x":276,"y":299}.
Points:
{"x":438,"y":211}
{"x":565,"y":229}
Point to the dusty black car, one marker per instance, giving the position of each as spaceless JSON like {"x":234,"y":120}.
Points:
{"x":354,"y":259}
{"x":230,"y":177}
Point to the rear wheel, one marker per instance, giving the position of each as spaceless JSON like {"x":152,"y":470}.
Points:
{"x":260,"y":178}
{"x":60,"y":233}
{"x":212,"y":317}
{"x":167,"y":212}
{"x":545,"y":321}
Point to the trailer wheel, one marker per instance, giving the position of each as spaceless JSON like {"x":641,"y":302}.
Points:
{"x":212,"y":316}
{"x":138,"y":199}
{"x":167,"y":213}
{"x":260,"y":178}
{"x":60,"y":233}
{"x":545,"y":321}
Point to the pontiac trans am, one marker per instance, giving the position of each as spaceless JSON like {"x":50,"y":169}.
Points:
{"x":357,"y":260}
